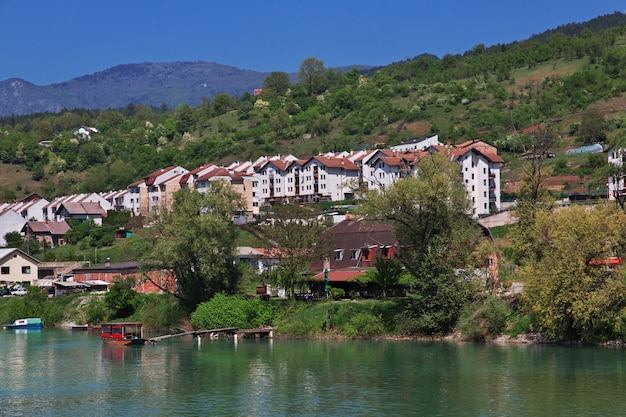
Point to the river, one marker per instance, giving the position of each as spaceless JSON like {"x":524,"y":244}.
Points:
{"x":63,"y":373}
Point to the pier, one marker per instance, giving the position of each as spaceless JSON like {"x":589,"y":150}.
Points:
{"x":258,"y":333}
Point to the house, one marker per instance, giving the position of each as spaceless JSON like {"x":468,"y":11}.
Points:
{"x":324,"y":177}
{"x":51,"y":210}
{"x":53,"y":233}
{"x":10,"y":221}
{"x":18,"y":267}
{"x":144,"y":283}
{"x":82,"y":212}
{"x":156,"y":190}
{"x":480,"y":170}
{"x":416,"y":144}
{"x":85,"y":132}
{"x":31,"y":207}
{"x":357,"y":243}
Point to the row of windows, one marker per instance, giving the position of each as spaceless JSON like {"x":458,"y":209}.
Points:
{"x":5,"y":270}
{"x":355,"y":253}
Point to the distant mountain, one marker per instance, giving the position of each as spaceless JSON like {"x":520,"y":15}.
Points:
{"x":151,"y":84}
{"x":146,"y":83}
{"x":20,"y":97}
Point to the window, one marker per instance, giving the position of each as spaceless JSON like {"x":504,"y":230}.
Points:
{"x":354,"y":254}
{"x":4,"y":270}
{"x":338,"y":254}
{"x":26,"y":270}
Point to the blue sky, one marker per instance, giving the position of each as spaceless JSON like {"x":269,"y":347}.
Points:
{"x":50,"y":41}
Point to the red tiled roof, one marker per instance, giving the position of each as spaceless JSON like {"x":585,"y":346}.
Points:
{"x":336,"y":163}
{"x":341,"y":275}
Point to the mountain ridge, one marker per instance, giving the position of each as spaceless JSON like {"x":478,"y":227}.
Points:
{"x":147,"y":83}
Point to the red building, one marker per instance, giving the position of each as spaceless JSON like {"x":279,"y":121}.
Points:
{"x":153,"y":281}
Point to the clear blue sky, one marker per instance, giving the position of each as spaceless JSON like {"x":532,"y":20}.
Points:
{"x":50,"y":41}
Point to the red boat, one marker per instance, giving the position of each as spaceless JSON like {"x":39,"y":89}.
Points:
{"x":122,"y":333}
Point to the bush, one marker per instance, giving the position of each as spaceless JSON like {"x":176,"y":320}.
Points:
{"x":224,"y":311}
{"x":484,"y":319}
{"x":337,"y":293}
{"x":365,"y":325}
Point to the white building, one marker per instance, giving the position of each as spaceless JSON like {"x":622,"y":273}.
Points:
{"x":480,"y":168}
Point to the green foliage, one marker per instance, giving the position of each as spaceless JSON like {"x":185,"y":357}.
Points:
{"x":484,"y":319}
{"x":566,"y":294}
{"x":364,"y":324}
{"x":297,"y":235}
{"x":197,"y":240}
{"x":120,"y":299}
{"x":34,"y":304}
{"x":429,"y":216}
{"x":337,"y":293}
{"x":158,"y":311}
{"x":95,"y":310}
{"x":521,"y":325}
{"x":224,"y":311}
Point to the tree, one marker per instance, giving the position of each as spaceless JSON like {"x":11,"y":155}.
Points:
{"x":296,"y":235}
{"x":184,"y":119}
{"x":223,"y":103}
{"x":533,"y":197}
{"x":276,"y":84}
{"x":313,"y":75}
{"x":197,"y":241}
{"x":569,"y":290}
{"x":387,"y":274}
{"x":593,"y":127}
{"x":430,"y":216}
{"x":121,"y":297}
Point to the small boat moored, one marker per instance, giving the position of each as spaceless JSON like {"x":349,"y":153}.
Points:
{"x":34,"y":323}
{"x":123,"y":333}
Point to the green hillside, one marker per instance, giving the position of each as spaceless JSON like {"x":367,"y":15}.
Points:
{"x":562,"y":82}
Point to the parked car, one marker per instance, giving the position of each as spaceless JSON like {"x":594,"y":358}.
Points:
{"x":5,"y":291}
{"x":18,"y":291}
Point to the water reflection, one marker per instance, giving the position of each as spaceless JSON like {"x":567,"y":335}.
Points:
{"x":59,"y":373}
{"x":123,"y":354}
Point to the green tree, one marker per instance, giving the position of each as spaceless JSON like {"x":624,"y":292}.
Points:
{"x":430,"y":217}
{"x":313,"y":75}
{"x":568,"y":290}
{"x":593,"y":127}
{"x":276,"y":84}
{"x":296,"y":235}
{"x":184,"y":119}
{"x":533,"y":197}
{"x":223,"y":103}
{"x":196,"y":239}
{"x":120,"y":297}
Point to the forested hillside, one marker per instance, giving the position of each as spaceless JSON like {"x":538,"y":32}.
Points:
{"x":568,"y":84}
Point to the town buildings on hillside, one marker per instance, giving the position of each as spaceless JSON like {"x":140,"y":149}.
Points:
{"x":280,"y":179}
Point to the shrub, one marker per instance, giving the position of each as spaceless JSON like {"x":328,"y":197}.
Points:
{"x":232,"y":311}
{"x":337,"y":293}
{"x":484,"y":319}
{"x":364,"y":324}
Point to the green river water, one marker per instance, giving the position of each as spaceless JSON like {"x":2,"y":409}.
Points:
{"x":62,"y":373}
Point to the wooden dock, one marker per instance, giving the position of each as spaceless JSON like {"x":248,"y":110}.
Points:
{"x":258,"y":333}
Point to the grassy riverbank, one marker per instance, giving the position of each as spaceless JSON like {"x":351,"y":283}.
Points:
{"x":486,"y":320}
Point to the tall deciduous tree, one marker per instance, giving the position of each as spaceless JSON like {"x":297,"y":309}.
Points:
{"x":196,"y":239}
{"x":276,"y":84}
{"x":313,"y":75}
{"x":296,"y":235}
{"x":430,"y":216}
{"x":569,"y":289}
{"x":593,"y":127}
